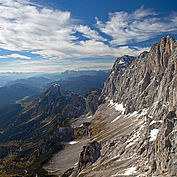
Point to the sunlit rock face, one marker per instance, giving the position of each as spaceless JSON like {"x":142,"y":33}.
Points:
{"x":136,"y":121}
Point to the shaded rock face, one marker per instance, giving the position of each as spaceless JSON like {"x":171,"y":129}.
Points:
{"x":52,"y":102}
{"x":66,"y":133}
{"x":90,"y":153}
{"x":110,"y":86}
{"x":92,"y":102}
{"x":76,"y":107}
{"x":150,"y":82}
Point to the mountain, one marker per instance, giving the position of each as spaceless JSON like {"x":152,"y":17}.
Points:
{"x":16,"y":92}
{"x":39,"y":82}
{"x":30,"y":131}
{"x":24,"y":90}
{"x":72,"y":73}
{"x":133,"y":132}
{"x":131,"y":125}
{"x":6,"y":77}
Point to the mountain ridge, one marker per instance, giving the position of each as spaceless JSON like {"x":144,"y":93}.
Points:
{"x":137,"y":119}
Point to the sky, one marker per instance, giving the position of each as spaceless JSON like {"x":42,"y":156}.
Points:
{"x":58,"y":35}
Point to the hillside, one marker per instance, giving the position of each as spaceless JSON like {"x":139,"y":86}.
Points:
{"x":30,"y":131}
{"x":14,"y":93}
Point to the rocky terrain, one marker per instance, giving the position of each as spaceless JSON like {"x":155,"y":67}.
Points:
{"x":136,"y":121}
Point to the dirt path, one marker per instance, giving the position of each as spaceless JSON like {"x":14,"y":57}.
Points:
{"x":66,"y":158}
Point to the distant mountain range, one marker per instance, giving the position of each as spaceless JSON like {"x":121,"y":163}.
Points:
{"x":22,"y":90}
{"x":85,"y":83}
{"x":14,"y":93}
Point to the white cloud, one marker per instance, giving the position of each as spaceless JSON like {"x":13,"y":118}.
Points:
{"x":26,"y":27}
{"x":50,"y":33}
{"x":89,"y":33}
{"x":15,"y":56}
{"x":138,"y":26}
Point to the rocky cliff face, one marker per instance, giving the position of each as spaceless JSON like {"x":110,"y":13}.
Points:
{"x":110,"y":85}
{"x":92,"y":102}
{"x":150,"y":82}
{"x":90,"y":153}
{"x":149,"y":78}
{"x":137,"y":119}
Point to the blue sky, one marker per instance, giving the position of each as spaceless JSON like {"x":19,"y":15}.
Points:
{"x":57,"y":35}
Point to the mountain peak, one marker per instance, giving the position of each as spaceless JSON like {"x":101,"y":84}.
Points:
{"x":53,"y":90}
{"x":161,"y":51}
{"x":122,"y":62}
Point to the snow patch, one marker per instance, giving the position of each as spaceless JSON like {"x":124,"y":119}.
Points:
{"x":111,"y":102}
{"x":143,"y":112}
{"x":89,"y":117}
{"x":153,"y":122}
{"x":116,"y":119}
{"x":73,"y":142}
{"x":132,"y":114}
{"x":133,"y":140}
{"x":121,"y":61}
{"x":130,"y":171}
{"x":81,"y":125}
{"x":135,"y":137}
{"x":150,"y":116}
{"x":120,"y":107}
{"x":153,"y":134}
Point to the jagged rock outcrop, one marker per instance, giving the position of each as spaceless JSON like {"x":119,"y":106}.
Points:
{"x":75,"y":108}
{"x":53,"y":100}
{"x":92,"y":102}
{"x":89,"y":154}
{"x":137,"y":86}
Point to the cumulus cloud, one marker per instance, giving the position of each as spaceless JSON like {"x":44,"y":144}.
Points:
{"x":15,"y":56}
{"x":140,"y":25}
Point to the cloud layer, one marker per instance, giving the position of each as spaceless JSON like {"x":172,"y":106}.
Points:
{"x":140,"y":25}
{"x":49,"y":33}
{"x":15,"y":56}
